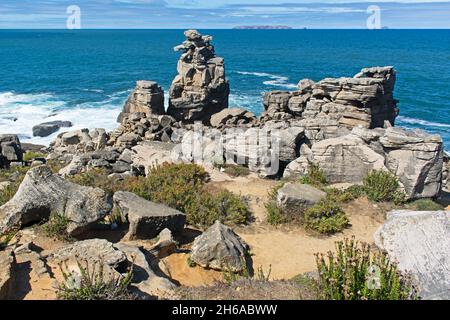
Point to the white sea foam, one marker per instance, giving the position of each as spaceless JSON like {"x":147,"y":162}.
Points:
{"x":407,"y":120}
{"x":275,"y":80}
{"x":20,"y":112}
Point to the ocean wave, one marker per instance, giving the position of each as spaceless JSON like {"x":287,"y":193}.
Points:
{"x":20,"y":112}
{"x":421,"y":122}
{"x":275,"y":80}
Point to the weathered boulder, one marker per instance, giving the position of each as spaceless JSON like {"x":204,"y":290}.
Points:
{"x":416,"y":158}
{"x":147,"y":97}
{"x":42,"y":193}
{"x":145,"y":279}
{"x":200,"y":89}
{"x":10,"y":150}
{"x":77,"y":141}
{"x":344,"y":159}
{"x":233,"y":117}
{"x":220,"y":248}
{"x":150,"y":154}
{"x":293,"y":198}
{"x":7,"y":274}
{"x":92,"y":250}
{"x":446,"y":173}
{"x":420,"y":243}
{"x":147,"y":219}
{"x":47,"y":128}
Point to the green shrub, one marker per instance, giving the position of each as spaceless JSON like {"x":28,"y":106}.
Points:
{"x":7,"y":193}
{"x":94,"y":284}
{"x":315,"y":176}
{"x":56,"y":227}
{"x":343,"y":196}
{"x":275,"y":215}
{"x":355,"y":272}
{"x":325,"y":217}
{"x":236,"y":171}
{"x":381,"y":186}
{"x":425,"y":205}
{"x":97,"y":178}
{"x":31,"y":155}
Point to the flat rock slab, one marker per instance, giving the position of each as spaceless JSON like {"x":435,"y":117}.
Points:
{"x":420,"y":243}
{"x":293,"y":197}
{"x":7,"y":264}
{"x":147,"y":219}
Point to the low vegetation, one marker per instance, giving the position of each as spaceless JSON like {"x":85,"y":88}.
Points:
{"x":179,"y":186}
{"x":32,"y":155}
{"x":326,"y":217}
{"x":235,"y":170}
{"x":355,"y":272}
{"x":6,"y":238}
{"x":382,"y":186}
{"x":424,"y":205}
{"x":56,"y":227}
{"x":93,"y":283}
{"x":315,"y":176}
{"x":14,"y":176}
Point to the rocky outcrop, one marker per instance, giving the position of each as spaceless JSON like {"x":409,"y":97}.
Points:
{"x":200,"y":89}
{"x":136,"y":127}
{"x":7,"y":273}
{"x":220,"y":248}
{"x":420,"y":243}
{"x":415,"y":157}
{"x":147,"y":219}
{"x":147,"y":98}
{"x":42,"y":193}
{"x":294,"y":198}
{"x":233,"y":117}
{"x":366,"y":99}
{"x":78,"y":141}
{"x":10,"y":150}
{"x":47,"y":128}
{"x":446,"y":173}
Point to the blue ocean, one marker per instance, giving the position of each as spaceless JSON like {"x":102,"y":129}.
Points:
{"x":86,"y":75}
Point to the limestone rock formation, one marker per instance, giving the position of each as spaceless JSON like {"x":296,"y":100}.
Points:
{"x":233,"y":117}
{"x":446,"y":173}
{"x":79,"y":141}
{"x":220,"y":248}
{"x":420,"y":243}
{"x":296,"y":197}
{"x":147,"y":219}
{"x":10,"y":150}
{"x":366,"y":99}
{"x":42,"y":193}
{"x":414,"y":156}
{"x":147,"y":97}
{"x":47,"y":128}
{"x":200,"y":89}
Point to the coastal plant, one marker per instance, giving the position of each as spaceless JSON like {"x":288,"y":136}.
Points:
{"x":425,"y":205}
{"x":93,"y":283}
{"x":56,"y":227}
{"x":275,"y":214}
{"x":31,"y":155}
{"x":344,"y":196}
{"x":236,"y":170}
{"x":326,"y":217}
{"x":356,"y":272}
{"x":6,"y":238}
{"x":382,"y":186}
{"x":315,"y":176}
{"x":8,"y":193}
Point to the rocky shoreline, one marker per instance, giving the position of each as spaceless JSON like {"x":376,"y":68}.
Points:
{"x":344,"y":126}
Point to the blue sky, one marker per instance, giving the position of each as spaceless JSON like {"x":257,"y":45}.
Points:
{"x":42,"y":14}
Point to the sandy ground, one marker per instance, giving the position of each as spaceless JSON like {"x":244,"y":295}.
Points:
{"x":285,"y":251}
{"x":289,"y":251}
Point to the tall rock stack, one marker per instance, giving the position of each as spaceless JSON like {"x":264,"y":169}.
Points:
{"x":147,"y":97}
{"x":200,"y":89}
